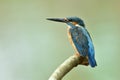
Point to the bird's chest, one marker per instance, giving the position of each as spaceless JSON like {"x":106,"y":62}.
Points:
{"x":70,"y":39}
{"x":69,"y":35}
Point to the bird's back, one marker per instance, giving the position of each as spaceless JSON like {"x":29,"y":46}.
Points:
{"x":82,"y":43}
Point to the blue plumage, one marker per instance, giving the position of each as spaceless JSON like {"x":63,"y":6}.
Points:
{"x":83,"y":43}
{"x":80,"y":38}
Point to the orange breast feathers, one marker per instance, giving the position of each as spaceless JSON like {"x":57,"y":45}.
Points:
{"x":70,"y":39}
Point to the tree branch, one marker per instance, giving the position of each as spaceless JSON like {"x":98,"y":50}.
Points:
{"x":67,"y":65}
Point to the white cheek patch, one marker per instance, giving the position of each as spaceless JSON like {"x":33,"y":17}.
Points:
{"x":78,"y":25}
{"x":70,"y":25}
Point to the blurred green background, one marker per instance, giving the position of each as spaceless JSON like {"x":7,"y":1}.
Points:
{"x":31,"y":47}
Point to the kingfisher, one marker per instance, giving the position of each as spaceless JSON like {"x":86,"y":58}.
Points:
{"x":79,"y":38}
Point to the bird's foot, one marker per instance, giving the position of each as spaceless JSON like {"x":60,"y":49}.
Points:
{"x":77,"y":54}
{"x":85,"y":62}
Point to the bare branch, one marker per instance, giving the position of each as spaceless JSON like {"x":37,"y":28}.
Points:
{"x":67,"y":65}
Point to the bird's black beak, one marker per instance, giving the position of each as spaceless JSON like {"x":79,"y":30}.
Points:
{"x":64,"y":20}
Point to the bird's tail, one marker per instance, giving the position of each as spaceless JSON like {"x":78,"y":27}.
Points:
{"x":92,"y":61}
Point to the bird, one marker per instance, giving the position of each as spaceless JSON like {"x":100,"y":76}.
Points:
{"x":79,"y":38}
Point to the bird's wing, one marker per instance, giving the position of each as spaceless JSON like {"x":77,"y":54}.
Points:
{"x":80,"y":40}
{"x":83,"y":44}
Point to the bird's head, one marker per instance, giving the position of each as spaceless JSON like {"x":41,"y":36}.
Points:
{"x":73,"y":20}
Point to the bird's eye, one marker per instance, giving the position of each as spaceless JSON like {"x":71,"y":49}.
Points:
{"x":66,"y":20}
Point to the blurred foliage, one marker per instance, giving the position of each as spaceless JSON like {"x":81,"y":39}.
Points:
{"x":31,"y":47}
